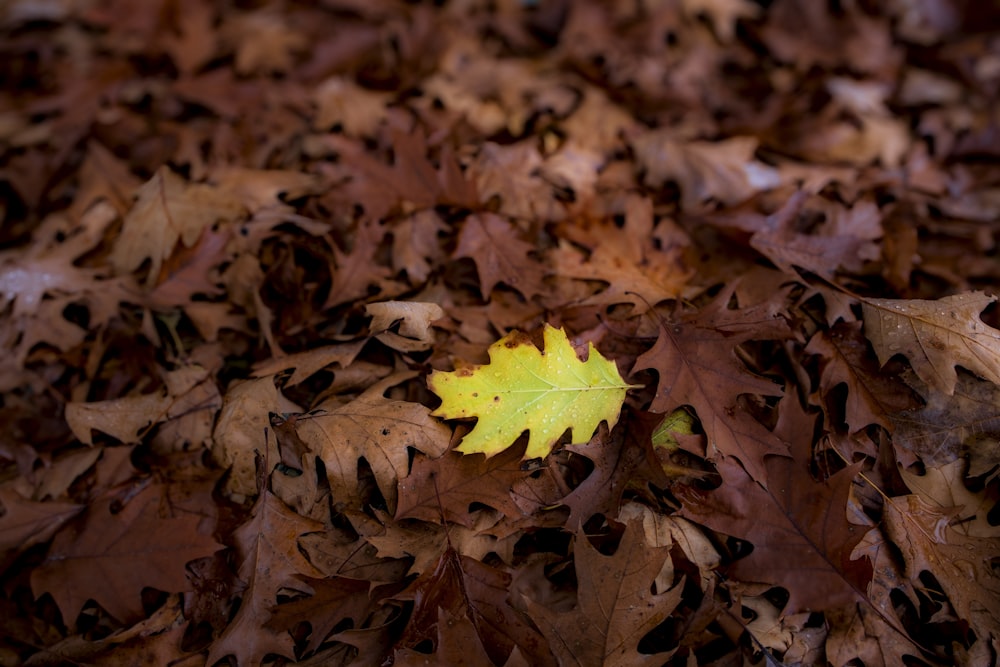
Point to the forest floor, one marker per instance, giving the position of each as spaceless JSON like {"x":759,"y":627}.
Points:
{"x":241,"y":239}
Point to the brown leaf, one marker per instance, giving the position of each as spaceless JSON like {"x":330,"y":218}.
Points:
{"x":414,"y":320}
{"x":935,"y":336}
{"x":355,"y":272}
{"x":944,"y":487}
{"x":450,"y":484}
{"x":25,"y":522}
{"x":724,"y":171}
{"x":376,"y":428}
{"x":615,"y":608}
{"x":120,"y":547}
{"x":940,"y":429}
{"x":270,"y":558}
{"x":494,"y":244}
{"x":961,"y":564}
{"x":872,"y":396}
{"x":625,"y":258}
{"x":798,"y":526}
{"x":329,"y":602}
{"x":697,"y":365}
{"x":166,"y":211}
{"x":463,"y":586}
{"x":457,"y":644}
{"x":624,"y":460}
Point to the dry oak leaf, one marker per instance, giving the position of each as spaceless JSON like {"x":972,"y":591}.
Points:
{"x":824,"y":251}
{"x":935,"y":336}
{"x":511,"y":173}
{"x":725,"y":171}
{"x":873,"y":396}
{"x":962,"y":565}
{"x":697,"y":365}
{"x":615,"y":606}
{"x":330,"y":602}
{"x":419,"y":544}
{"x":25,"y":522}
{"x":798,"y":526}
{"x":416,"y":244}
{"x":121,"y":418}
{"x":271,"y":559}
{"x":861,"y":635}
{"x":625,"y":258}
{"x":458,"y":643}
{"x":944,"y":487}
{"x":356,"y":272}
{"x":356,"y":110}
{"x":500,"y":255}
{"x":450,"y":484}
{"x":114,"y":552}
{"x":524,"y":389}
{"x":168,"y":209}
{"x":377,"y":428}
{"x":624,"y":460}
{"x":241,"y":427}
{"x":941,"y":429}
{"x":414,"y":318}
{"x":465,"y":586}
{"x":310,"y":361}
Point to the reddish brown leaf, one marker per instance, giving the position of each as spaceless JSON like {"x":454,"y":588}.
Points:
{"x":500,"y":255}
{"x":697,"y":366}
{"x":329,"y":603}
{"x":798,"y":526}
{"x":120,"y":546}
{"x":463,"y":586}
{"x":450,"y":484}
{"x":615,"y":608}
{"x":267,"y":547}
{"x":936,"y":336}
{"x":25,"y":522}
{"x":623,"y":460}
{"x":871,"y":396}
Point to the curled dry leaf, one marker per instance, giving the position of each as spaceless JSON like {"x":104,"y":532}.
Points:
{"x":414,"y":318}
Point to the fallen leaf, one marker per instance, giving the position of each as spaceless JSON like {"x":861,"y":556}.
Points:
{"x":26,"y":522}
{"x":376,"y":428}
{"x":615,"y":607}
{"x":168,"y":210}
{"x":961,"y":564}
{"x":500,"y":255}
{"x":936,"y":336}
{"x":267,"y":548}
{"x":466,"y":587}
{"x":117,"y":548}
{"x":798,"y":526}
{"x":697,"y":366}
{"x":524,"y":389}
{"x":724,"y":170}
{"x":450,"y":484}
{"x":414,"y":318}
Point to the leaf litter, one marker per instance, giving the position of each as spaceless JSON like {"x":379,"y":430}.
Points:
{"x":243,"y":244}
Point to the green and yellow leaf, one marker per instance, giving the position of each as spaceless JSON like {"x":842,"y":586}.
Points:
{"x":525,"y":389}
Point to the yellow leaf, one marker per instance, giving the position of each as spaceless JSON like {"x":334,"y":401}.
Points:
{"x":678,"y":422}
{"x":523,"y":388}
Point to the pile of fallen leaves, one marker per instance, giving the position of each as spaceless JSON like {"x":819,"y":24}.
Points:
{"x":238,"y":238}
